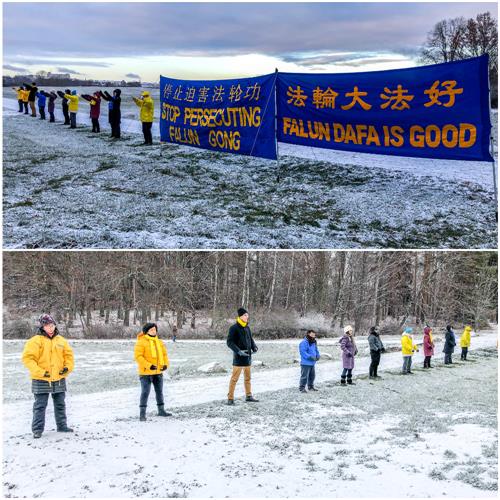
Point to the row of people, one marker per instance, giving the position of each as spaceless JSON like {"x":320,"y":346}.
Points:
{"x":27,"y":95}
{"x":49,"y":359}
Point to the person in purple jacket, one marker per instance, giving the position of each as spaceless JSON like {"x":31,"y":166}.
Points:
{"x":51,"y":96}
{"x":349,"y":350}
{"x":309,"y":354}
{"x":95,"y":109}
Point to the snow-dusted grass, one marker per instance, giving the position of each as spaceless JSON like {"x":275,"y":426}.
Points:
{"x":430,"y":434}
{"x":92,"y":191}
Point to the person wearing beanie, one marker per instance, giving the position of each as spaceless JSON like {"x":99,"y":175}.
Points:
{"x":73,"y":100}
{"x":51,"y":96}
{"x":408,"y":348}
{"x":64,"y":105}
{"x":465,"y":342}
{"x":42,"y":101}
{"x":449,"y":345}
{"x":95,"y":109}
{"x":20,"y":94}
{"x":349,"y":350}
{"x":309,"y":355}
{"x":49,"y":358}
{"x":376,"y":350}
{"x":146,"y":105}
{"x":114,"y":111}
{"x":428,"y":347}
{"x":151,"y":357}
{"x":240,"y":341}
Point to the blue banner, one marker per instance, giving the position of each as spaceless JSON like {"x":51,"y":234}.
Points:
{"x":232,"y":116}
{"x":438,"y":111}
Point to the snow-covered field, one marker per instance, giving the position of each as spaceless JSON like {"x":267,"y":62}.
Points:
{"x":95,"y":192}
{"x":430,"y":434}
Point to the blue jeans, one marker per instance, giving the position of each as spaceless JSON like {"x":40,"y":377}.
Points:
{"x":407,"y":364}
{"x":40,"y":405}
{"x":146,"y":381}
{"x":307,"y":376}
{"x":346,"y":372}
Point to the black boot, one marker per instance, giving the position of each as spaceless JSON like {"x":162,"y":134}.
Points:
{"x":350,"y":382}
{"x":230,"y":402}
{"x":142,"y":414}
{"x":302,"y":389}
{"x":37,"y":434}
{"x":313,"y":389}
{"x":251,"y":399}
{"x":162,"y":412}
{"x":64,"y":429}
{"x":342,"y":381}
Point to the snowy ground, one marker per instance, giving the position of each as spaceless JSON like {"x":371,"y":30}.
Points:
{"x":93,"y":192}
{"x":430,"y":434}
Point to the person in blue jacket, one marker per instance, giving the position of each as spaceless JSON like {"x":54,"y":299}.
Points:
{"x":41,"y":104}
{"x":309,"y":354}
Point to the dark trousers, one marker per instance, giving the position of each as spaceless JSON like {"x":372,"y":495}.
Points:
{"x":146,"y":130}
{"x":66,"y":115}
{"x":40,"y":405}
{"x":25,"y":104}
{"x":146,"y":381}
{"x":42,"y":112}
{"x":114,"y":121}
{"x":95,"y":125}
{"x":375,"y":355}
{"x":463,"y":356}
{"x":447,"y":359}
{"x":21,"y":107}
{"x":346,"y":372}
{"x":72,"y":119}
{"x":427,"y":362}
{"x":307,"y":376}
{"x":52,"y":117}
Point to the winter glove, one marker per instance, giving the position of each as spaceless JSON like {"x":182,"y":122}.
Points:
{"x":46,"y":375}
{"x":349,"y":355}
{"x":163,"y":368}
{"x":317,"y":359}
{"x":255,"y":349}
{"x":63,"y":371}
{"x":152,"y":367}
{"x":243,"y":353}
{"x":383,"y":349}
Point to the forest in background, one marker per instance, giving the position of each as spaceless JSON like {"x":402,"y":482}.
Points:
{"x":196,"y":294}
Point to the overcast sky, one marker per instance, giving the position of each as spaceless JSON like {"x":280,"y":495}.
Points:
{"x":217,"y":40}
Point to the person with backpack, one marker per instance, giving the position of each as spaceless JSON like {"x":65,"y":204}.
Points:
{"x":151,"y":357}
{"x":309,"y":355}
{"x":146,"y":105}
{"x":408,"y":348}
{"x":65,"y":105}
{"x":349,"y":351}
{"x":114,"y":111}
{"x":449,"y":345}
{"x":49,"y":358}
{"x":376,"y":350}
{"x":95,"y":109}
{"x":465,"y":342}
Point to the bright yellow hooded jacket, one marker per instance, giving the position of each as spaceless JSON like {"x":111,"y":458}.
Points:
{"x":43,"y":354}
{"x":25,"y":95}
{"x":72,"y":102}
{"x":147,"y":107}
{"x":150,"y":351}
{"x":465,"y":338}
{"x":408,"y":347}
{"x":20,"y":94}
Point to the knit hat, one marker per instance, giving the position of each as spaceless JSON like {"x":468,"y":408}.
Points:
{"x":46,"y":319}
{"x":241,"y":312}
{"x":408,"y":329}
{"x":148,"y":326}
{"x":348,"y":328}
{"x":73,"y":92}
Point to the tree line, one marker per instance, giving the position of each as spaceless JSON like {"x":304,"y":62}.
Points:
{"x":87,"y":290}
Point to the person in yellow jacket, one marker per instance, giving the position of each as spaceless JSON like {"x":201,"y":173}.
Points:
{"x":25,"y":96}
{"x":465,"y":342}
{"x":73,"y":100}
{"x":49,"y":359}
{"x":151,"y":356}
{"x":408,"y":348}
{"x":146,"y":104}
{"x":19,"y":94}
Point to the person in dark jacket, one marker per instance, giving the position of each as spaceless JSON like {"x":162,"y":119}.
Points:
{"x":51,"y":96}
{"x":376,"y":349}
{"x":64,"y":105}
{"x":42,"y":100}
{"x":114,"y":111}
{"x":33,"y":89}
{"x":309,"y":354}
{"x":95,"y":109}
{"x":240,"y":341}
{"x":49,"y":358}
{"x":449,"y":345}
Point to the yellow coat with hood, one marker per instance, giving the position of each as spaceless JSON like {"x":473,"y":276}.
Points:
{"x":72,"y":102}
{"x":465,"y":338}
{"x":408,"y":347}
{"x":43,"y":354}
{"x":25,"y":95}
{"x":147,"y":107}
{"x":145,"y":355}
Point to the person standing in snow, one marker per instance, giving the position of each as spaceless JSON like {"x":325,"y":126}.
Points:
{"x":465,"y":342}
{"x":449,"y":345}
{"x":64,"y":105}
{"x":42,"y":100}
{"x":114,"y":111}
{"x":428,"y":347}
{"x":349,"y":351}
{"x":309,"y":355}
{"x":408,"y":348}
{"x":51,"y":96}
{"x":49,"y":358}
{"x":73,"y":100}
{"x":32,"y":90}
{"x":25,"y":97}
{"x":151,"y":357}
{"x":376,"y":350}
{"x":95,"y":109}
{"x":146,"y":105}
{"x":19,"y":93}
{"x":240,"y":341}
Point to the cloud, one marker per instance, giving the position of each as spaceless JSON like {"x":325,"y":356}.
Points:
{"x":133,"y":75}
{"x":69,"y":71}
{"x":37,"y":61}
{"x":11,"y":67}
